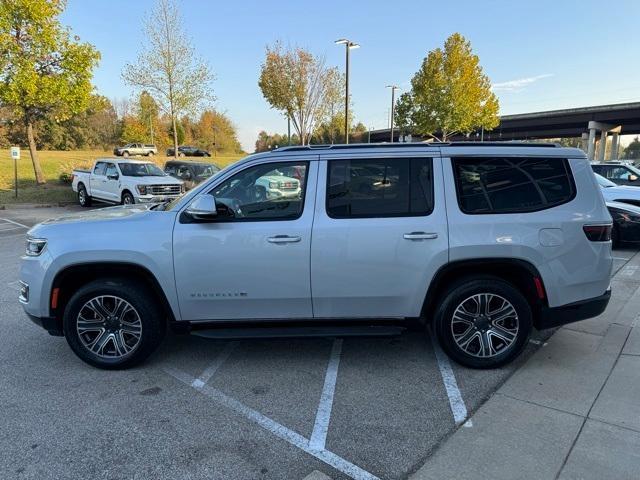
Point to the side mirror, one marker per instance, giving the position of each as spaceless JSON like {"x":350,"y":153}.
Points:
{"x":203,"y":208}
{"x":633,"y":178}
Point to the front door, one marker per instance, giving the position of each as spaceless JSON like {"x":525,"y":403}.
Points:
{"x":98,"y":180}
{"x":253,"y":260}
{"x":112,"y":182}
{"x":379,"y":235}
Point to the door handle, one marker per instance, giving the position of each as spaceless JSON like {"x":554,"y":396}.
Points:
{"x":420,"y":236}
{"x":283,"y":239}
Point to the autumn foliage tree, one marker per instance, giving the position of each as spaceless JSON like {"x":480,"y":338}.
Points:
{"x":449,"y":94}
{"x":45,"y":72}
{"x":300,"y":85}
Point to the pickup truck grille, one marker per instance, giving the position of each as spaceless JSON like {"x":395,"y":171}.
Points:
{"x":164,"y":189}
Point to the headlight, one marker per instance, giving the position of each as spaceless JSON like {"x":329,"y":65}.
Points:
{"x":35,"y":246}
{"x":142,"y":189}
{"x":274,"y":184}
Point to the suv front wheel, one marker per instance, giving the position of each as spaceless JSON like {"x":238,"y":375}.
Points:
{"x":113,"y":323}
{"x":483,"y":322}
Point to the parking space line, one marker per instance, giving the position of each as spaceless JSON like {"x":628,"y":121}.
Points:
{"x":274,"y":427}
{"x":15,"y":223}
{"x":323,"y":415}
{"x":456,"y":402}
{"x":213,"y":368}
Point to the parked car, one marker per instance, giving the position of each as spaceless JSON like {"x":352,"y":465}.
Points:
{"x":620,"y":173}
{"x":191,"y":173}
{"x":130,"y":149}
{"x":186,"y":151}
{"x":125,"y":182}
{"x":618,"y":193}
{"x":626,"y":222}
{"x":480,"y":241}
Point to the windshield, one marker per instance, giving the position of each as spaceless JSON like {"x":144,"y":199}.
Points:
{"x":140,"y":170}
{"x":603,"y":182}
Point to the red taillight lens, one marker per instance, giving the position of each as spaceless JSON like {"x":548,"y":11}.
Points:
{"x":598,"y":233}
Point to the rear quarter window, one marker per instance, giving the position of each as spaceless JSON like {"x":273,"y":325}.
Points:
{"x":511,"y":184}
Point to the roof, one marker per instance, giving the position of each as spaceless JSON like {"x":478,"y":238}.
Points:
{"x":354,"y":146}
{"x":121,"y":160}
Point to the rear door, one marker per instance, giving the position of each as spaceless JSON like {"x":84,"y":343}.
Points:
{"x":379,"y":234}
{"x":98,"y":180}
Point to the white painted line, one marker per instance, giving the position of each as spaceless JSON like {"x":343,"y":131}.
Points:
{"x":213,"y":368}
{"x":458,"y":408}
{"x":620,"y":258}
{"x":629,"y":270}
{"x":275,"y":428}
{"x":323,"y":415}
{"x":15,"y":223}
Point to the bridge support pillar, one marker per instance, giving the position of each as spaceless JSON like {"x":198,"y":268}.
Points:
{"x":584,"y":142}
{"x":591,"y":146}
{"x":614,"y":146}
{"x":602,"y":148}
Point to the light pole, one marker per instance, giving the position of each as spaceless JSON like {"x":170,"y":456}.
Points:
{"x":393,"y":105}
{"x":348,"y":46}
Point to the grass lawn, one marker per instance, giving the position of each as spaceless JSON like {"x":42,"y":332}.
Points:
{"x":55,"y":163}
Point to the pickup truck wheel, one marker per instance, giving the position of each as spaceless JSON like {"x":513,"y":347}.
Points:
{"x":181,"y":154}
{"x":127,"y":199}
{"x":113,"y":323}
{"x":150,"y":154}
{"x":483,"y":322}
{"x":83,"y":197}
{"x":125,"y":154}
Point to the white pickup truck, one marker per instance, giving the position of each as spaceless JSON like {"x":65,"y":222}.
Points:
{"x":125,"y":182}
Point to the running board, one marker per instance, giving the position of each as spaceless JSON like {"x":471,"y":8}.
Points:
{"x":231,"y":333}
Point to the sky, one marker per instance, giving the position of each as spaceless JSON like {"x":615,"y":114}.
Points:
{"x":540,"y":55}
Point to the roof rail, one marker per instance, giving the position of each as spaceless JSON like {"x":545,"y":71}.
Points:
{"x":354,"y":146}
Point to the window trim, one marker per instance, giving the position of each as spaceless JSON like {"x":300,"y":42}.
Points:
{"x":306,"y":163}
{"x":374,"y":158}
{"x":456,"y":177}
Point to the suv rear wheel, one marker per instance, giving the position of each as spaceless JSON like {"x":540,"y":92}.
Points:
{"x":483,"y":322}
{"x":113,"y":323}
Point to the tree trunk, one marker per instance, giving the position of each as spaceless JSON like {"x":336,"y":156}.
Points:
{"x":40,"y":179}
{"x":175,"y":135}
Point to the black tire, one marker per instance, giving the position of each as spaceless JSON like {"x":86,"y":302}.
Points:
{"x":152,"y":321}
{"x":470,"y":291}
{"x":127,"y":198}
{"x":150,"y":154}
{"x":206,"y":155}
{"x":180,"y":154}
{"x":83,"y":196}
{"x":125,"y":154}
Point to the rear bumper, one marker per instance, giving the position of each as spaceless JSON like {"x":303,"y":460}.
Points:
{"x":573,"y":312}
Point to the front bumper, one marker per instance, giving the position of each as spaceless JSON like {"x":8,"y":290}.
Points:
{"x":573,"y":312}
{"x":50,"y":324}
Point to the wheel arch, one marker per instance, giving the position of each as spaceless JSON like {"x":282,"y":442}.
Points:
{"x":520,"y":273}
{"x":72,"y":277}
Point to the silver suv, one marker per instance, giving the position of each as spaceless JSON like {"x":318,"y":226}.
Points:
{"x":481,"y":241}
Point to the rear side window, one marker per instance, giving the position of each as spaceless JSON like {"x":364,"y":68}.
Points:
{"x":394,"y":187}
{"x":99,"y":168}
{"x":512,"y":184}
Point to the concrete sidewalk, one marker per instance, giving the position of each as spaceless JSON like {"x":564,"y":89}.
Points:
{"x":571,"y":412}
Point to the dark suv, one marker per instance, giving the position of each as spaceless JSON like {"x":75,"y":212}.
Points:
{"x":191,"y":173}
{"x":186,"y":151}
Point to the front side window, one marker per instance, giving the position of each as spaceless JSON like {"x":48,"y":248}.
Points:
{"x":263,"y":192}
{"x":511,"y":185}
{"x":111,"y":170}
{"x":393,"y":187}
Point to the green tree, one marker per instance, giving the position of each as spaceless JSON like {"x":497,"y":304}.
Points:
{"x":449,"y":94}
{"x":44,"y":71}
{"x":168,"y":67}
{"x":633,"y":149}
{"x":216,"y":132}
{"x":300,"y":85}
{"x":148,"y":115}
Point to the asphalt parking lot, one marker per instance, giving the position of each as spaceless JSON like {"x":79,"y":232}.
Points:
{"x":350,"y":408}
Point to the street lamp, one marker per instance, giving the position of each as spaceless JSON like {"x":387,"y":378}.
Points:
{"x":393,"y":105}
{"x":348,"y":46}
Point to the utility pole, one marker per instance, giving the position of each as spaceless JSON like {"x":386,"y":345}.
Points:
{"x":393,"y":105}
{"x":348,"y":46}
{"x":289,"y":129}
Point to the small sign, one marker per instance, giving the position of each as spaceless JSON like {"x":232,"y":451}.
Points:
{"x":15,"y":153}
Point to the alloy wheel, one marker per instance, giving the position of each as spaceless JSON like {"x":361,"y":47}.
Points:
{"x":485,"y":325}
{"x":109,"y":327}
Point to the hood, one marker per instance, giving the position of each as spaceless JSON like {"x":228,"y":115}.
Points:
{"x":100,"y":214}
{"x":165,"y":180}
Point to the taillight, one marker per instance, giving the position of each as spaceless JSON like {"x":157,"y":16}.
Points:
{"x":598,"y":233}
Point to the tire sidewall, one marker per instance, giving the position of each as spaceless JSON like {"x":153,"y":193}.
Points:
{"x":456,"y":295}
{"x":125,"y":195}
{"x":153,"y":322}
{"x":84,"y":195}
